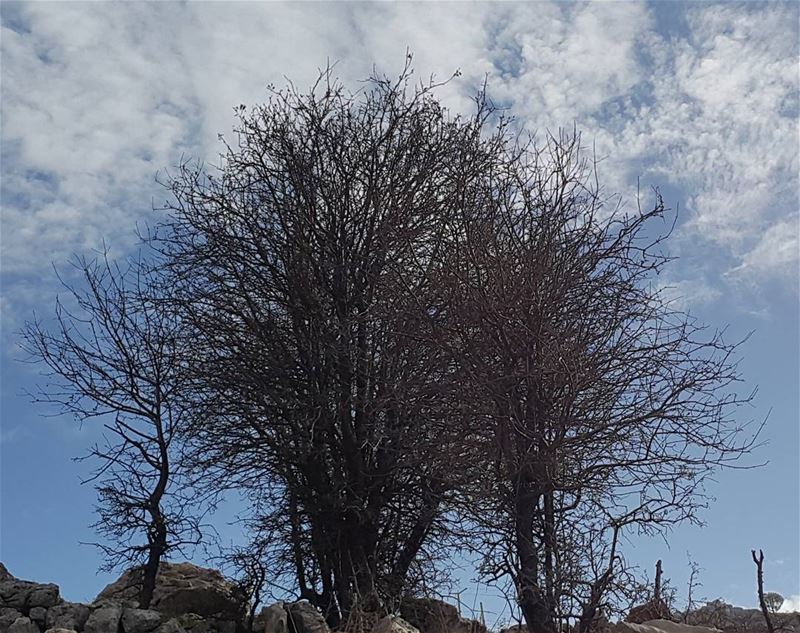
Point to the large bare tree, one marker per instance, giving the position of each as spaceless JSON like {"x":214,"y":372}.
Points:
{"x":601,"y":406}
{"x":302,"y":264}
{"x":117,"y":353}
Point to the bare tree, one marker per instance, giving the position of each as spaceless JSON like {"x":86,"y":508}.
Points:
{"x":116,"y":353}
{"x":302,"y":265}
{"x":693,"y":584}
{"x":599,"y":405}
{"x":759,"y":561}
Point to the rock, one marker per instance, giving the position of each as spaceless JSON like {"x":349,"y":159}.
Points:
{"x":38,"y":615}
{"x":170,"y":626}
{"x":24,"y":594}
{"x":67,"y":615}
{"x":7,"y":617}
{"x":434,"y":616}
{"x":272,"y":619}
{"x":394,"y":624}
{"x":656,"y":609}
{"x":103,"y":620}
{"x":302,"y":617}
{"x":180,"y":588}
{"x":23,"y":625}
{"x":194,"y":623}
{"x":659,"y":626}
{"x":60,"y":631}
{"x":44,"y":596}
{"x":140,"y":620}
{"x":226,"y":626}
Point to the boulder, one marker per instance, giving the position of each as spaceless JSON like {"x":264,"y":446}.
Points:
{"x":7,"y":617}
{"x":659,"y":626}
{"x":60,"y":631}
{"x":272,"y":619}
{"x":67,"y":615}
{"x":4,"y":573}
{"x":44,"y":596}
{"x":38,"y":615}
{"x":193,"y":623}
{"x":170,"y":626}
{"x":656,"y":609}
{"x":303,"y":617}
{"x":104,"y":619}
{"x":140,"y":620}
{"x":180,"y":588}
{"x":23,"y":594}
{"x":434,"y":616}
{"x":23,"y":625}
{"x":394,"y":624}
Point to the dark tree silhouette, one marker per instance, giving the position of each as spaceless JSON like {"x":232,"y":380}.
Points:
{"x":762,"y":597}
{"x":302,"y":265}
{"x":600,"y":405}
{"x":116,"y":353}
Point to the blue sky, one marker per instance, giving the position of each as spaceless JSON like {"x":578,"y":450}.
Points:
{"x":700,"y":99}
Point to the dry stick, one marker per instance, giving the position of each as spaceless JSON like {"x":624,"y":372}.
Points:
{"x":759,"y":561}
{"x":657,"y":589}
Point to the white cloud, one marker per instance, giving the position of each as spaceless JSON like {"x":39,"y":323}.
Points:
{"x":690,"y":293}
{"x":791,"y":604}
{"x":776,"y":253}
{"x":97,"y":98}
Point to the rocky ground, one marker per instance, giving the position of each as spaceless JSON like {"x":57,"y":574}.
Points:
{"x":191,"y":599}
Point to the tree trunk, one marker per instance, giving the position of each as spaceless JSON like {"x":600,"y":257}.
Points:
{"x":531,"y":599}
{"x":759,"y":561}
{"x":158,"y":546}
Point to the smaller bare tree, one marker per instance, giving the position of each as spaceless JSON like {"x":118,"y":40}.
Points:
{"x":759,"y":561}
{"x":693,"y":584}
{"x":115,"y":352}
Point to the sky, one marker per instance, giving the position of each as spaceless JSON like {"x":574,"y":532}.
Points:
{"x":699,"y":99}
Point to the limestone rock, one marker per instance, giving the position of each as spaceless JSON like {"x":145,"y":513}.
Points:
{"x":140,"y":620}
{"x":659,"y":626}
{"x":170,"y":626}
{"x":67,"y":615}
{"x":38,"y":615}
{"x":23,"y":625}
{"x":7,"y":617}
{"x":44,"y":596}
{"x":103,"y":620}
{"x":23,"y":594}
{"x":434,"y":616}
{"x":226,"y":626}
{"x":180,"y":588}
{"x":193,"y":623}
{"x":304,"y":618}
{"x":656,"y":609}
{"x":272,"y":619}
{"x":394,"y":624}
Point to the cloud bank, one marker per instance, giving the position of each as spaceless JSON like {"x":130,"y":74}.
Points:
{"x":700,"y":98}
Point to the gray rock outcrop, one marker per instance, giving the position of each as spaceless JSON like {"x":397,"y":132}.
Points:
{"x":104,"y":619}
{"x":434,"y":616}
{"x":393,"y":624}
{"x":180,"y":588}
{"x":187,"y":599}
{"x":67,"y":616}
{"x":23,"y":625}
{"x":140,"y":620}
{"x":303,"y":617}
